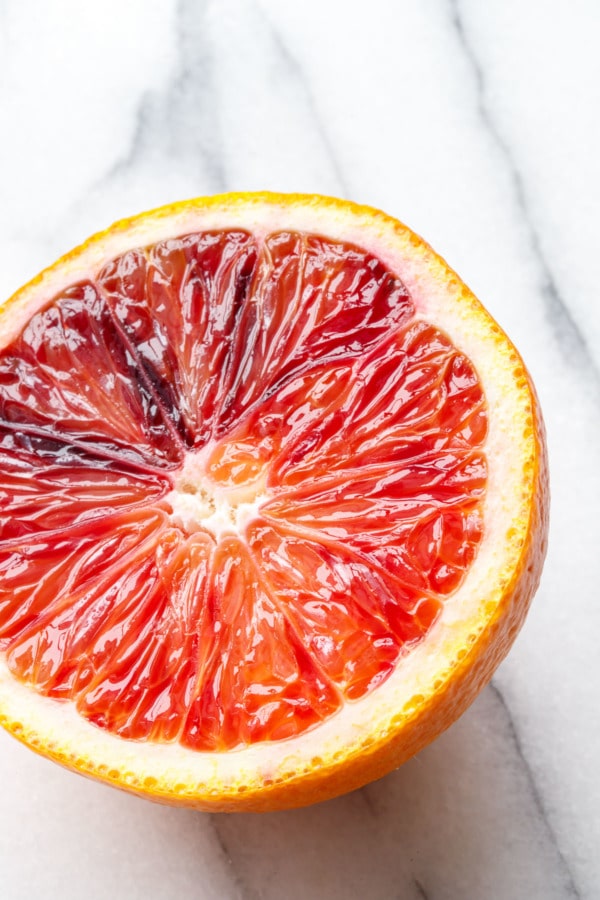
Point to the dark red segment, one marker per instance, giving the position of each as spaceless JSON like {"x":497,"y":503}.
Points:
{"x":70,"y":376}
{"x":180,"y":306}
{"x":218,"y":326}
{"x":312,"y":300}
{"x":47,"y":485}
{"x":331,"y":300}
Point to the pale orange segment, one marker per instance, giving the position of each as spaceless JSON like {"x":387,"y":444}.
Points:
{"x":273,"y":499}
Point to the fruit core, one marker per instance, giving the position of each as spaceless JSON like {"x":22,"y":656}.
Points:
{"x":239,"y":480}
{"x":201,"y":502}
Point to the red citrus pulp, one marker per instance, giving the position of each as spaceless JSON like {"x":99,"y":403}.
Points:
{"x":242,"y":475}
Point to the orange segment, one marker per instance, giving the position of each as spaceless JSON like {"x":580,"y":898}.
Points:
{"x":69,"y":375}
{"x":259,"y":461}
{"x":48,"y":485}
{"x":260,"y":682}
{"x":145,"y":667}
{"x":68,"y":580}
{"x":353,"y":618}
{"x":178,"y":304}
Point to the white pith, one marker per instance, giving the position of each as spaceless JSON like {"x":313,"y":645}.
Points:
{"x":197,"y":502}
{"x":510,"y":444}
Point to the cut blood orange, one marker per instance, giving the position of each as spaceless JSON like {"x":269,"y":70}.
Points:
{"x":273,"y":496}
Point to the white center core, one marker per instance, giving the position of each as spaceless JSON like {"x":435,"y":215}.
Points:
{"x":197,"y":503}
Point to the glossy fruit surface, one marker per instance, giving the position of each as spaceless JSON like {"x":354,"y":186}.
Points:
{"x":273,"y":498}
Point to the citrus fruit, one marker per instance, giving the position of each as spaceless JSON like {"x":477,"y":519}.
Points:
{"x":273,"y":496}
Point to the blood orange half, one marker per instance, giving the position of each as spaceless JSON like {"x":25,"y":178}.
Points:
{"x":273,"y":501}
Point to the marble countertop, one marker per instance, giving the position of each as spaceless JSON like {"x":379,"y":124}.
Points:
{"x":477,"y":124}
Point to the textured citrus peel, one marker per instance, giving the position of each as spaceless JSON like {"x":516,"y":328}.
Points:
{"x":437,"y":680}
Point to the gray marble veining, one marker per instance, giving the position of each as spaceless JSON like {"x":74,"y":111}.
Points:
{"x":566,"y":330}
{"x":476,"y":124}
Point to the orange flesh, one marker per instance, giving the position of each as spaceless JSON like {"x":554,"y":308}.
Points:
{"x":286,"y":383}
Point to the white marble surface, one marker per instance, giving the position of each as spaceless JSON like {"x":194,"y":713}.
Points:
{"x":476,"y":123}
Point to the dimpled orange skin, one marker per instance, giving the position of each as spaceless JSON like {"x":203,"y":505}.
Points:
{"x":411,"y":729}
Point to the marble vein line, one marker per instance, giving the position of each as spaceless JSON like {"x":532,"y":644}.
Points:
{"x":163,"y":119}
{"x":565,"y":328}
{"x":421,"y":892}
{"x":297,"y":73}
{"x":572,"y":891}
{"x":197,"y":81}
{"x":240,"y":890}
{"x":138,"y":144}
{"x":189,"y":96}
{"x":368,"y":801}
